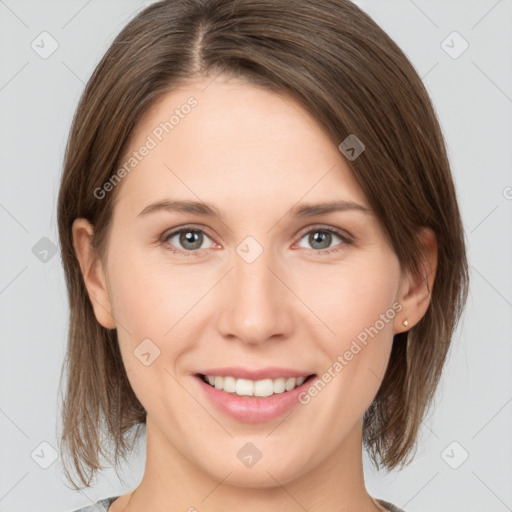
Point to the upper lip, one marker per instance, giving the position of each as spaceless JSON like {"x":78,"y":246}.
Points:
{"x":255,"y":374}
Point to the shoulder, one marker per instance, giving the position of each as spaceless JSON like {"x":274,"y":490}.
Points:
{"x":390,"y":506}
{"x":99,"y":506}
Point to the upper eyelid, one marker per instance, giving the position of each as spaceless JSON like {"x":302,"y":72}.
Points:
{"x":327,"y":227}
{"x":180,"y":229}
{"x":343,"y":234}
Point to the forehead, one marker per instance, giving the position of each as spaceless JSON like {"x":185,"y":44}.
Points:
{"x":233,"y":143}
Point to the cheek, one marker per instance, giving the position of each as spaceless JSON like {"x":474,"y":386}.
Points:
{"x":149,"y":295}
{"x":354,"y":298}
{"x":154,"y":300}
{"x":357,"y":303}
{"x":150,"y":304}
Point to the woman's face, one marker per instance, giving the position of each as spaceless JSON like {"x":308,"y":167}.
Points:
{"x":257,"y":286}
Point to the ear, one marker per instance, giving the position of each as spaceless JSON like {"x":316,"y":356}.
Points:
{"x":416,"y":290}
{"x":93,"y":273}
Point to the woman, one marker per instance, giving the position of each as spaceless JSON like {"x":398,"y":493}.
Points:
{"x":264,"y":257}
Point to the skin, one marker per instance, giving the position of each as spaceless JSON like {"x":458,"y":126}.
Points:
{"x":254,"y":154}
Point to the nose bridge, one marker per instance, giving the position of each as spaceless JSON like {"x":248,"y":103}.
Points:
{"x":255,"y":306}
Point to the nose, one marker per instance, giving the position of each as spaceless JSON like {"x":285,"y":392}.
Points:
{"x":256,"y":304}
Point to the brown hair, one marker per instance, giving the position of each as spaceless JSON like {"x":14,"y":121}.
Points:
{"x":348,"y":73}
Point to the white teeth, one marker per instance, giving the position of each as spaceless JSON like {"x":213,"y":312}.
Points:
{"x":246,"y":387}
{"x":229,"y":384}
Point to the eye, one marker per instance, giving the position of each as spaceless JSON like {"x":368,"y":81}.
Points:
{"x":321,"y":237}
{"x":190,"y":240}
{"x":187,"y":240}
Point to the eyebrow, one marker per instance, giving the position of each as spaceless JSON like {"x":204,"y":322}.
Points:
{"x":208,"y":210}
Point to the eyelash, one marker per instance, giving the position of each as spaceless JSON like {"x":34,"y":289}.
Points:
{"x":346,"y":240}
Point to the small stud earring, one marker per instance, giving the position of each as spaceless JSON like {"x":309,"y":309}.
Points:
{"x":406,"y":323}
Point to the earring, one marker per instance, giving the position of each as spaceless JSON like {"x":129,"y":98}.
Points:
{"x":405,"y":323}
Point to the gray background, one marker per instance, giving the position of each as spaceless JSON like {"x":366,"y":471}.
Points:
{"x":472,"y":93}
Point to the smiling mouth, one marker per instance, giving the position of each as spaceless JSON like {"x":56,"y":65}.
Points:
{"x":255,"y":388}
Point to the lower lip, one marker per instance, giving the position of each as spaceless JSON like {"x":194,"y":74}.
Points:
{"x":252,"y":409}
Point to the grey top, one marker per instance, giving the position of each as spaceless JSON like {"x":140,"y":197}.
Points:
{"x":102,"y":505}
{"x":99,"y":506}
